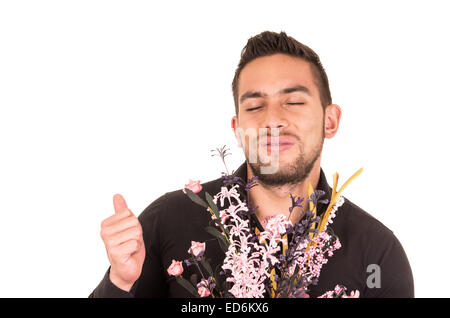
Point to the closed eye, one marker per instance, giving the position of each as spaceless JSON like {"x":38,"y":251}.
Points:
{"x":254,"y":108}
{"x":296,"y":103}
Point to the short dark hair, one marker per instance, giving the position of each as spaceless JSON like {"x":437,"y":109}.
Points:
{"x":269,"y":43}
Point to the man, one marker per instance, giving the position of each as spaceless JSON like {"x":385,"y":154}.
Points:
{"x":279,"y":85}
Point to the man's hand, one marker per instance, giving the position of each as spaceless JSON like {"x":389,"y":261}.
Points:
{"x":122,"y":235}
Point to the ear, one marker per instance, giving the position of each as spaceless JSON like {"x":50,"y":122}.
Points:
{"x":332,"y":118}
{"x":234,"y":125}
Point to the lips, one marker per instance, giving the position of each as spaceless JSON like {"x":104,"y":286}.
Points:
{"x":273,"y":143}
{"x":278,"y":146}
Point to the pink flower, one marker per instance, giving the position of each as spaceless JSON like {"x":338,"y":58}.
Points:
{"x":197,"y":248}
{"x":194,"y":186}
{"x":337,"y":245}
{"x":203,"y":291}
{"x":175,"y":269}
{"x":337,"y":290}
{"x":274,"y":226}
{"x":223,"y":216}
{"x":353,"y":294}
{"x":328,"y":294}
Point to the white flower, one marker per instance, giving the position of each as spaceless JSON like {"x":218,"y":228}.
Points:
{"x":228,"y":194}
{"x":339,"y":202}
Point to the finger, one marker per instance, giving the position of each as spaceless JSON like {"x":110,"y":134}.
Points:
{"x":120,"y":205}
{"x":112,"y":219}
{"x":134,"y":233}
{"x":116,"y":226}
{"x":126,"y":248}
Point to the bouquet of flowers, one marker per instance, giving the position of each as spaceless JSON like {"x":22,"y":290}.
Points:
{"x":281,"y":261}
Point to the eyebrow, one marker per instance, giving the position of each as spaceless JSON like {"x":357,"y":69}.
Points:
{"x":256,"y":94}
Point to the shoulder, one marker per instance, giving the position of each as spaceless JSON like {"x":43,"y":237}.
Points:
{"x":376,"y":247}
{"x":359,"y":222}
{"x":362,"y":233}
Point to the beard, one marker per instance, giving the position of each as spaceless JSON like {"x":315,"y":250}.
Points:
{"x":293,"y":172}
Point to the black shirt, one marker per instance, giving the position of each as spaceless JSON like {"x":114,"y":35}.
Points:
{"x":172,"y":221}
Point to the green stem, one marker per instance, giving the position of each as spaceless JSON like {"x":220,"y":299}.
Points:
{"x":201,"y":273}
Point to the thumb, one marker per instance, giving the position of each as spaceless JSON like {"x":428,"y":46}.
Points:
{"x":120,"y":205}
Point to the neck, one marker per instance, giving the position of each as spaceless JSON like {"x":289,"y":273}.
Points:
{"x":277,"y":200}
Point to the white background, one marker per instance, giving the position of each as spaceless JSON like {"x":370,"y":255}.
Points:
{"x":104,"y":97}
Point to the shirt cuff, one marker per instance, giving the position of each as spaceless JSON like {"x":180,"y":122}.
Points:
{"x":106,"y":289}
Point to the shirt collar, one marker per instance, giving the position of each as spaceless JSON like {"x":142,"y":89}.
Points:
{"x":321,"y":185}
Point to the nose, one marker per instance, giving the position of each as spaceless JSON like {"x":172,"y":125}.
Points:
{"x":275,"y":118}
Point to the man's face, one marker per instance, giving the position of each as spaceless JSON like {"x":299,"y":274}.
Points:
{"x":279,"y":91}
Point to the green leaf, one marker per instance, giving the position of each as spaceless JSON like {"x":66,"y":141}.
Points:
{"x":217,"y":270}
{"x":211,"y":203}
{"x":216,"y":221}
{"x":297,"y":269}
{"x":218,"y":277}
{"x":186,"y":284}
{"x":194,"y":197}
{"x":206,"y":265}
{"x":293,"y":278}
{"x":219,"y":223}
{"x":215,"y":232}
{"x":224,"y":245}
{"x":222,"y":241}
{"x":194,"y":279}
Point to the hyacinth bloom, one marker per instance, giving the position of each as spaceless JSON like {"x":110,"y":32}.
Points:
{"x":339,"y":292}
{"x":283,"y":259}
{"x":311,"y":269}
{"x":244,"y":258}
{"x":353,"y":294}
{"x":250,"y":263}
{"x":229,"y":194}
{"x":274,"y":227}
